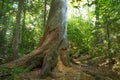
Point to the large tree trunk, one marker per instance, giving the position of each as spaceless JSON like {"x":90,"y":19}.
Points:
{"x":52,"y":45}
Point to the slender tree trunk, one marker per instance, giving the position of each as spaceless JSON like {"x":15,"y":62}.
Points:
{"x":108,"y":36}
{"x":88,"y":11}
{"x":2,"y":6}
{"x":3,"y":29}
{"x":96,"y":34}
{"x":97,"y":13}
{"x":23,"y":29}
{"x":108,"y":40}
{"x":52,"y":45}
{"x":17,"y":30}
{"x":45,"y":8}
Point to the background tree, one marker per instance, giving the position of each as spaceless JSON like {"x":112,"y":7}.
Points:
{"x":16,"y":34}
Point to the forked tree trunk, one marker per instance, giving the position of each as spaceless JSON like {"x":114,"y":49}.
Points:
{"x":52,"y":45}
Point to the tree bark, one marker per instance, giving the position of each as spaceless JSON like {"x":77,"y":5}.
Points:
{"x":45,"y":8}
{"x":96,"y":33}
{"x":52,"y":45}
{"x":23,"y":27}
{"x":16,"y":33}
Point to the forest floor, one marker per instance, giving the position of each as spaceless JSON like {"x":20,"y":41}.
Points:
{"x":85,"y":69}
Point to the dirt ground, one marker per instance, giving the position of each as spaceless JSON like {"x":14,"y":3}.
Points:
{"x":76,"y":72}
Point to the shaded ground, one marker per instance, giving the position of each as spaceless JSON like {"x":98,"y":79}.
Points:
{"x":82,"y":71}
{"x":60,"y":73}
{"x":86,"y":69}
